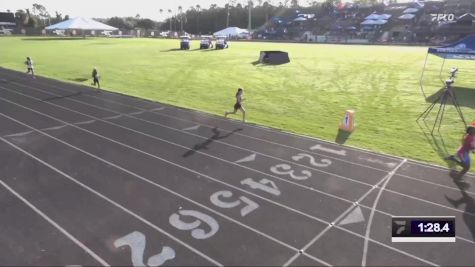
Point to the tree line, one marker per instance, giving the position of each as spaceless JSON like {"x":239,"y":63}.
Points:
{"x":196,"y":19}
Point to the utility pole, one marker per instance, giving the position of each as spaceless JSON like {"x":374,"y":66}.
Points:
{"x":249,"y":26}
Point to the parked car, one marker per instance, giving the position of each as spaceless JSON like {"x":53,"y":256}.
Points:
{"x":185,"y":43}
{"x":206,"y":42}
{"x":221,"y":42}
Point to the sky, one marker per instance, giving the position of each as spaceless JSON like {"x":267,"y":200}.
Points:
{"x":104,"y":9}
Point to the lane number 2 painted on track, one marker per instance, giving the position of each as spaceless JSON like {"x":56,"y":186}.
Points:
{"x":323,"y":163}
{"x":137,"y":241}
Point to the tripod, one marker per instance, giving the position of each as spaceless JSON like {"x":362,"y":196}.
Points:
{"x":442,"y":98}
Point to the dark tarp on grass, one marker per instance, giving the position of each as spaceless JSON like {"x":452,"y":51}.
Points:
{"x":274,"y":57}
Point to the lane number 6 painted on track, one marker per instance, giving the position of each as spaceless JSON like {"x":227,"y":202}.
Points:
{"x":196,"y":232}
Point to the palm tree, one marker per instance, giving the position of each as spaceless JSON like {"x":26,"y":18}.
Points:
{"x":180,"y":11}
{"x":198,"y":8}
{"x":170,"y":12}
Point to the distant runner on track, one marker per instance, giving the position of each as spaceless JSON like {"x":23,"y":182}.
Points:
{"x":95,"y":78}
{"x":29,"y":65}
{"x":238,"y":105}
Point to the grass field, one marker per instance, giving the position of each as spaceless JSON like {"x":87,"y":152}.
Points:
{"x":307,"y":96}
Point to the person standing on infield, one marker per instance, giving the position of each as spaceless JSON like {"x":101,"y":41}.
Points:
{"x":238,"y":105}
{"x":29,"y":65}
{"x":95,"y":77}
{"x":462,"y":156}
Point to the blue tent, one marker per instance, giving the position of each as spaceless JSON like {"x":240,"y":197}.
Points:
{"x":461,"y":50}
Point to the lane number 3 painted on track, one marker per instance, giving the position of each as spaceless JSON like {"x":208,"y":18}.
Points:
{"x":285,"y":169}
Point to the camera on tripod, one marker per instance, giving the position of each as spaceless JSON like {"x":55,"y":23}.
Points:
{"x":449,"y":82}
{"x":453,"y":72}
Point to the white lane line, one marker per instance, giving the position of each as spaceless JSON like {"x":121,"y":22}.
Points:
{"x":54,"y":128}
{"x":192,"y":128}
{"x":154,"y":109}
{"x":356,"y":149}
{"x":202,"y":124}
{"x":206,"y":154}
{"x":340,"y":152}
{"x":371,"y":216}
{"x":328,"y":194}
{"x":341,"y":228}
{"x":297,"y":184}
{"x":206,"y":115}
{"x":106,"y":198}
{"x":85,"y":122}
{"x":158,"y":185}
{"x":136,"y":113}
{"x":335,"y":224}
{"x":19,"y":134}
{"x":203,"y":175}
{"x":55,"y":225}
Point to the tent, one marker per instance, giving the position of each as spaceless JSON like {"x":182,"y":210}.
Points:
{"x":407,"y":16}
{"x":410,"y":10}
{"x":80,"y":23}
{"x":232,"y":32}
{"x":461,"y":50}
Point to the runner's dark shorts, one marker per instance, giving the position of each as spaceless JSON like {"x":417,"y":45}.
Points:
{"x":237,"y":106}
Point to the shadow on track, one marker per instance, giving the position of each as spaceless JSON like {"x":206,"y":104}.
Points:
{"x":466,"y":200}
{"x":216,"y":136}
{"x":60,"y":97}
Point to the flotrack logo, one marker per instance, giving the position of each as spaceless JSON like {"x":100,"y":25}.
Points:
{"x":443,"y":17}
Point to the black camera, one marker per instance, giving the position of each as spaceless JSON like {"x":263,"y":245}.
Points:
{"x":449,"y":82}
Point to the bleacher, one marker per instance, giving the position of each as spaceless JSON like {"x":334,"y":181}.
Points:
{"x":7,"y":23}
{"x":409,"y":23}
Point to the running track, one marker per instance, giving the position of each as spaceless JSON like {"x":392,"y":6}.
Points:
{"x":101,"y":179}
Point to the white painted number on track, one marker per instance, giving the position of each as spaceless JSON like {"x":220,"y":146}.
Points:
{"x":265,"y":185}
{"x":136,"y":241}
{"x":301,"y":156}
{"x":285,"y":169}
{"x":196,"y":232}
{"x":329,"y":150}
{"x":250,"y":205}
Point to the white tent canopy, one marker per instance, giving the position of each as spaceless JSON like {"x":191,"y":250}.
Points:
{"x":232,"y":31}
{"x":80,"y":23}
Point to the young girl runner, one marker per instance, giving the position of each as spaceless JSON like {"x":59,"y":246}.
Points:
{"x":238,"y":105}
{"x":463,"y":154}
{"x":29,"y":65}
